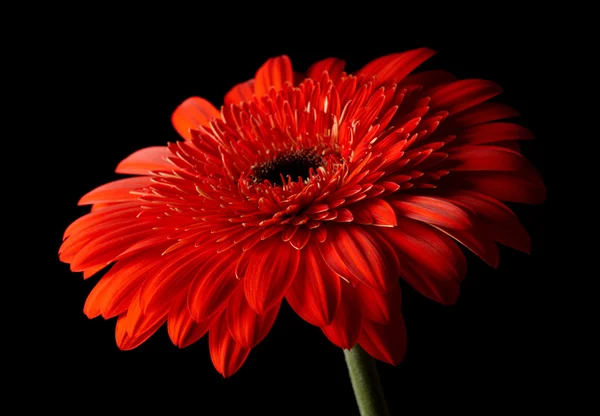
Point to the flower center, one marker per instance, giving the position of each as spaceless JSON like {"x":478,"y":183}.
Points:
{"x":295,"y":164}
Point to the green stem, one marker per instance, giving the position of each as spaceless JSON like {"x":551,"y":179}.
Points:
{"x":365,"y":382}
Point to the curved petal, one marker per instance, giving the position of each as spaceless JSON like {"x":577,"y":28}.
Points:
{"x":333,"y":66}
{"x":104,"y":249}
{"x":377,"y":306}
{"x":427,"y":79}
{"x":461,"y":95}
{"x":431,"y":210}
{"x":356,"y":254}
{"x":482,"y":113}
{"x":430,"y":261}
{"x":226,"y":354}
{"x":193,"y":113}
{"x":182,"y":328}
{"x":126,"y":341}
{"x":493,"y":133}
{"x":213,"y":285}
{"x":115,"y":291}
{"x":437,"y":287}
{"x":116,"y":191}
{"x":135,"y":326}
{"x":385,"y":342}
{"x":524,"y":186}
{"x":477,"y":241}
{"x":241,"y":92}
{"x":178,"y":269}
{"x":316,"y":291}
{"x":246,"y":326}
{"x":373,"y":211}
{"x":345,"y":327}
{"x":487,"y":158}
{"x":274,"y":73}
{"x":145,"y":160}
{"x":393,"y":68}
{"x":113,"y":213}
{"x":496,"y":219}
{"x":269,"y":271}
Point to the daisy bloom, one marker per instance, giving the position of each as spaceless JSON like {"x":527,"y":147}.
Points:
{"x":322,"y":189}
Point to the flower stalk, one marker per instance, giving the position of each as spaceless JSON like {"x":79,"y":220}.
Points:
{"x":365,"y":382}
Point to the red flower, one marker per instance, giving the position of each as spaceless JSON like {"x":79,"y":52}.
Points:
{"x":320,"y":188}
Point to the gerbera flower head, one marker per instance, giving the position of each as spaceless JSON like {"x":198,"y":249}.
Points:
{"x":323,"y":189}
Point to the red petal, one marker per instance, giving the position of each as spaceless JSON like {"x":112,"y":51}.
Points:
{"x":355,"y":254}
{"x":105,"y":249}
{"x":126,"y":341}
{"x":145,"y":160}
{"x":114,"y":292}
{"x":487,"y":158}
{"x":431,"y":210}
{"x":333,"y":66}
{"x":496,"y":219}
{"x":212,"y":287}
{"x":374,"y":211}
{"x":193,"y":113}
{"x":493,"y":133}
{"x":274,"y":73}
{"x":345,"y":327}
{"x":226,"y":354}
{"x":526,"y":187}
{"x":385,"y":342}
{"x":427,"y":78}
{"x":241,"y":92}
{"x":271,"y":268}
{"x":461,"y":95}
{"x":482,"y":113}
{"x":134,"y":326}
{"x":177,"y":271}
{"x":478,"y":242}
{"x":377,"y":306}
{"x":91,"y":272}
{"x":315,"y":292}
{"x":439,"y":288}
{"x":430,"y":261}
{"x":246,"y":326}
{"x":182,"y":328}
{"x":112,"y":213}
{"x":116,"y":191}
{"x":300,"y":238}
{"x":393,"y":68}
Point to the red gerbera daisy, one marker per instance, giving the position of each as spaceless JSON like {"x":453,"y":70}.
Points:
{"x":322,"y":188}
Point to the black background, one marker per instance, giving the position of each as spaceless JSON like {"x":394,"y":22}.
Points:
{"x":113,"y":87}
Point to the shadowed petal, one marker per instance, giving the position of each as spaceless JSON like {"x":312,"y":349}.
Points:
{"x":226,"y":354}
{"x":210,"y":290}
{"x":182,"y":328}
{"x":345,"y":327}
{"x":315,"y":292}
{"x":393,"y":68}
{"x":431,"y":210}
{"x":385,"y":342}
{"x":270,"y":270}
{"x":377,"y":305}
{"x":430,"y":261}
{"x":246,"y":326}
{"x":355,"y":253}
